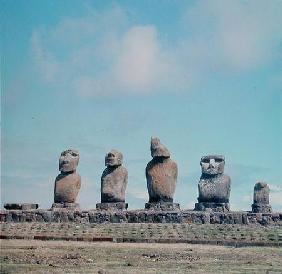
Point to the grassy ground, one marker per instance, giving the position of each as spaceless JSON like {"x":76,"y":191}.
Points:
{"x":31,"y":256}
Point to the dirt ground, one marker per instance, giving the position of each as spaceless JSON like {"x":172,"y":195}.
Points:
{"x":34,"y":256}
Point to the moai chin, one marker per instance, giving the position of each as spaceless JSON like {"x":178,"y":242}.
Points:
{"x":161,"y":175}
{"x":261,"y":198}
{"x":214,"y":186}
{"x":68,"y":182}
{"x":113,"y":182}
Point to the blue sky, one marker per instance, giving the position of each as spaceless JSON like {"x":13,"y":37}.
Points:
{"x":203,"y":76}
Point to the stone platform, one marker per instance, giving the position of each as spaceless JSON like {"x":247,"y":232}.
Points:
{"x":112,"y":206}
{"x":21,"y":206}
{"x":70,"y":206}
{"x":139,"y":216}
{"x":164,"y":206}
{"x":216,"y":207}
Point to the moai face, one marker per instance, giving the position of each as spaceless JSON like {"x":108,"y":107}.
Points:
{"x":113,"y":158}
{"x":212,"y":164}
{"x":68,"y":160}
{"x":158,"y":149}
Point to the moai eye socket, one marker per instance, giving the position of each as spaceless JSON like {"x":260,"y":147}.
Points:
{"x":206,"y":161}
{"x":218,"y":160}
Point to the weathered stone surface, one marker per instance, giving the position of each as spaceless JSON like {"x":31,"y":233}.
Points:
{"x":261,"y":198}
{"x":20,"y":206}
{"x":67,"y":187}
{"x":214,"y":186}
{"x":261,"y":193}
{"x":140,"y":216}
{"x":68,"y":183}
{"x":261,"y":208}
{"x":158,"y":149}
{"x":165,"y":206}
{"x":114,"y":179}
{"x":69,"y":206}
{"x":112,"y":206}
{"x":161,"y":174}
{"x":216,"y":207}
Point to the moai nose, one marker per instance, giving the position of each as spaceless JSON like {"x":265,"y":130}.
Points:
{"x":212,"y":163}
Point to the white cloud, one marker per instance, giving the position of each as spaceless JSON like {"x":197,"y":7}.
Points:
{"x":44,"y":60}
{"x":238,"y":35}
{"x":138,"y":60}
{"x":102,"y":53}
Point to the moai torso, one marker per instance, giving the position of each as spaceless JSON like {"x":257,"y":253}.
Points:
{"x":214,"y":186}
{"x":114,"y":179}
{"x":161,"y":174}
{"x":67,"y":187}
{"x":261,"y":193}
{"x":261,"y":198}
{"x":67,"y":184}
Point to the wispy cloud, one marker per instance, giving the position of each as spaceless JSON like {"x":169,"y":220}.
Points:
{"x":46,"y":62}
{"x":102,"y":53}
{"x":237,"y":35}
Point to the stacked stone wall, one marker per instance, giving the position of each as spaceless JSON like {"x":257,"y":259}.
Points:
{"x":140,"y":216}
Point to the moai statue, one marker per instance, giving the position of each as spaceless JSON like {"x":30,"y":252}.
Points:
{"x":261,"y":198}
{"x":214,"y":186}
{"x":161,"y":175}
{"x":113,"y":182}
{"x":67,"y":184}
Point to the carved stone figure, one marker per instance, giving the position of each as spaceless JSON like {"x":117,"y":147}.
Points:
{"x":68,"y":182}
{"x":214,"y":186}
{"x":113,"y":182}
{"x":261,"y":198}
{"x":161,"y":175}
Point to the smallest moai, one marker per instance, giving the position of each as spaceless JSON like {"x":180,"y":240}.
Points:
{"x":261,"y":198}
{"x":113,"y":183}
{"x":68,"y":182}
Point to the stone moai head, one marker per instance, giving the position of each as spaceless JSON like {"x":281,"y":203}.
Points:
{"x":212,"y":164}
{"x":261,"y":193}
{"x":113,"y":158}
{"x":158,"y":149}
{"x":68,"y":160}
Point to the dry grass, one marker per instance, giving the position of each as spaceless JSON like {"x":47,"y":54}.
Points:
{"x":22,"y":256}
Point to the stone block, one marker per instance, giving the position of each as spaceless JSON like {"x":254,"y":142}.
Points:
{"x":162,"y":206}
{"x":212,"y":207}
{"x":20,"y":206}
{"x":112,"y":206}
{"x":66,"y":206}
